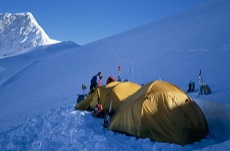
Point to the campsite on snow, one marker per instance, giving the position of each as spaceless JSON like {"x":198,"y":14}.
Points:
{"x":152,"y":110}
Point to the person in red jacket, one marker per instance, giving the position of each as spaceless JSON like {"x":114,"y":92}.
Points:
{"x":98,"y":111}
{"x":110,"y":79}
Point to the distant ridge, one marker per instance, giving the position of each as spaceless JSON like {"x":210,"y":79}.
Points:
{"x":20,"y":32}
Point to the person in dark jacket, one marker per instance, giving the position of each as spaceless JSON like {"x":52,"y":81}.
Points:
{"x":96,"y":81}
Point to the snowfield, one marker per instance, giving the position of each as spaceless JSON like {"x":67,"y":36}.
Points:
{"x":68,"y":129}
{"x":38,"y":88}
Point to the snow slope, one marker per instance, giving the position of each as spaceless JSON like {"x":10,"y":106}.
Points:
{"x":20,"y":32}
{"x":38,"y":89}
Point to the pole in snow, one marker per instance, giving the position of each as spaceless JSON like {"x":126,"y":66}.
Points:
{"x":119,"y":73}
{"x":201,"y":82}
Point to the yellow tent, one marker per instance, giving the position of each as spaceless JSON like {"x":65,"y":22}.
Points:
{"x":162,"y":112}
{"x":92,"y":100}
{"x":119,"y":93}
{"x":115,"y":91}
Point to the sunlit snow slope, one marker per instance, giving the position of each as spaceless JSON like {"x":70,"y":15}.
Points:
{"x":173,"y":49}
{"x":20,"y":32}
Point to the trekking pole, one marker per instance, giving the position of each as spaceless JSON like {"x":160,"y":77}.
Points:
{"x":201,"y":82}
{"x":119,"y":73}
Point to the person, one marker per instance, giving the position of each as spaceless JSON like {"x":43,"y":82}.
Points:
{"x":110,"y":79}
{"x":96,"y":81}
{"x":98,"y":111}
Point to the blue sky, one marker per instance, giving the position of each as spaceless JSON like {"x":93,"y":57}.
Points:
{"x":85,"y":21}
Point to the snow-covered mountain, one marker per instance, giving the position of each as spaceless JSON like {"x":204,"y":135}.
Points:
{"x":20,"y":32}
{"x":38,"y":88}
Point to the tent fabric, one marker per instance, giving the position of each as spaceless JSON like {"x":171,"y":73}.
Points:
{"x":115,"y":91}
{"x":119,"y":93}
{"x":162,"y":112}
{"x":92,"y":100}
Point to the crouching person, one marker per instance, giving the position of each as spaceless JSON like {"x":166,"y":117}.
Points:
{"x":98,"y":111}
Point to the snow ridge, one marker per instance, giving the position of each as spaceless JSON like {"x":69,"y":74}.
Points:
{"x":20,"y":32}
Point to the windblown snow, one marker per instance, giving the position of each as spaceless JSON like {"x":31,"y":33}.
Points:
{"x":38,"y":89}
{"x":20,"y":32}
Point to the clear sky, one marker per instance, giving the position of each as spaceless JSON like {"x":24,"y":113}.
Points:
{"x":85,"y":21}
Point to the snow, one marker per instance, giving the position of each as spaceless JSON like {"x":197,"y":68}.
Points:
{"x":20,"y":32}
{"x":38,"y":88}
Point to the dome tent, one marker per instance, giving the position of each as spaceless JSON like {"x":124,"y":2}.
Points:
{"x":119,"y":93}
{"x":116,"y":91}
{"x":92,"y":99}
{"x":162,"y":112}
